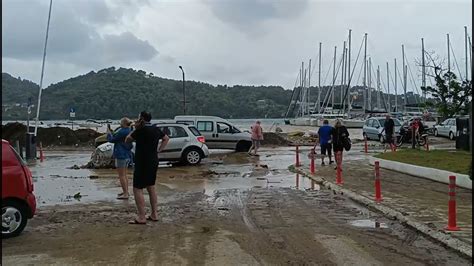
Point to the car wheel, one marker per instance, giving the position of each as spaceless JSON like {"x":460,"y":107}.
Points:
{"x":192,"y":156}
{"x":435,"y":133}
{"x":451,"y":135}
{"x":13,"y":218}
{"x":243,"y":146}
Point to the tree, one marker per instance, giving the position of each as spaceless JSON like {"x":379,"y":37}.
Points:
{"x":452,"y":96}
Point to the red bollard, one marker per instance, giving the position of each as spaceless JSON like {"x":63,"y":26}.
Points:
{"x":297,"y":164}
{"x":312,"y":166}
{"x":339,"y":180}
{"x":366,"y":148}
{"x":452,"y":206}
{"x":41,"y":152}
{"x":378,"y":189}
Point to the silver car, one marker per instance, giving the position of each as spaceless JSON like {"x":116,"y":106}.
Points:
{"x":373,"y":128}
{"x":446,"y":129}
{"x":186,"y":145}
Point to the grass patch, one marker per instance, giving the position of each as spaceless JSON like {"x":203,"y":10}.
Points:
{"x":454,"y":161}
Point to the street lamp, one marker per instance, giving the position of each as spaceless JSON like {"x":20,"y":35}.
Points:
{"x":184,"y":92}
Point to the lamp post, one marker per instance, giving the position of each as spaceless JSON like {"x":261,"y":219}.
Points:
{"x":184,"y":92}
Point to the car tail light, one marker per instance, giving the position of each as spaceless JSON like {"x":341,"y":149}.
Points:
{"x":201,"y":139}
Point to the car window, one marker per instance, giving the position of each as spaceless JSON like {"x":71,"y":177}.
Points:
{"x":368,"y":122}
{"x":382,"y":122}
{"x":185,"y":122}
{"x":223,"y":128}
{"x":396,"y":122}
{"x":174,"y":131}
{"x":195,"y":131}
{"x":205,"y":126}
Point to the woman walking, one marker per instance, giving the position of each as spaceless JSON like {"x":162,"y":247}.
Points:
{"x":257,"y":137}
{"x":339,"y":136}
{"x":122,"y":153}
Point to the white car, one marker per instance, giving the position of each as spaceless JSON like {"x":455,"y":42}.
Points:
{"x":446,"y":129}
{"x":219,"y":133}
{"x":186,"y":145}
{"x":373,"y":128}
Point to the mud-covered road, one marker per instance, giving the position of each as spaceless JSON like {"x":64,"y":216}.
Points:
{"x":232,"y":210}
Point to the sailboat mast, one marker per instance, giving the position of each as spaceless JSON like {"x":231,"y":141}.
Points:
{"x":333,"y":77}
{"x":404,"y":80}
{"x":343,"y":73}
{"x":449,"y":54}
{"x":309,"y":87}
{"x":388,"y":89}
{"x":319,"y":80}
{"x":370,"y":84}
{"x":396,"y":92}
{"x":349,"y":74}
{"x":365,"y":72}
{"x":423,"y":68}
{"x":378,"y":88}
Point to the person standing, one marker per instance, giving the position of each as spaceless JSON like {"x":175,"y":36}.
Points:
{"x":339,"y":136}
{"x":257,"y":137}
{"x":389,"y":129}
{"x":324,"y":134}
{"x":147,"y":138}
{"x":122,"y":153}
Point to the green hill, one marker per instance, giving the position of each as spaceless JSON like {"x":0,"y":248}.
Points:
{"x":112,"y":93}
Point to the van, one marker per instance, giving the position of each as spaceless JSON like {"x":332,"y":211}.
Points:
{"x":218,"y":132}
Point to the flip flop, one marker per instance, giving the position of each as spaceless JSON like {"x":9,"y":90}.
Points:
{"x":120,"y":194}
{"x":123,"y":197}
{"x":135,"y":221}
{"x":151,"y":219}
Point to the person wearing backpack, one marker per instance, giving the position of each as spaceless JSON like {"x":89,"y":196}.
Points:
{"x":340,"y":141}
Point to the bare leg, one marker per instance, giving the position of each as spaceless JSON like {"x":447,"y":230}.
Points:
{"x":140,"y":201}
{"x":153,"y":201}
{"x":251,"y":148}
{"x":123,"y":181}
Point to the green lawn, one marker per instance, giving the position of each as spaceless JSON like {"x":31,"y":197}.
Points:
{"x":454,"y":161}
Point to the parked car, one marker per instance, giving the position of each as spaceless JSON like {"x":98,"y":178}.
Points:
{"x":186,"y":145}
{"x":18,"y":200}
{"x":219,"y":133}
{"x":446,"y":129}
{"x":428,"y":122}
{"x":373,"y":128}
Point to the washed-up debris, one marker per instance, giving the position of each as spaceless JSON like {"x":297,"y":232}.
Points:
{"x":75,"y":167}
{"x":93,"y":176}
{"x":223,"y":208}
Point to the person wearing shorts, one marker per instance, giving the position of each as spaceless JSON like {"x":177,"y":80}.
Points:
{"x":257,"y":137}
{"x":122,"y":153}
{"x":389,"y":128}
{"x":147,"y":138}
{"x":324,"y":134}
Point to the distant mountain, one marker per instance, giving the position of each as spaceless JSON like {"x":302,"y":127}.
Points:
{"x":113,"y":93}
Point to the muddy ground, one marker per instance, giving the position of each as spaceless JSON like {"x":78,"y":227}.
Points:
{"x":231,"y":210}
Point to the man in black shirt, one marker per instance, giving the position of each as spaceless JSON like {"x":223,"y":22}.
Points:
{"x":389,"y":128}
{"x":146,"y":164}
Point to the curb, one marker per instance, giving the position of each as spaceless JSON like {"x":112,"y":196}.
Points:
{"x":436,"y":235}
{"x":438,"y":175}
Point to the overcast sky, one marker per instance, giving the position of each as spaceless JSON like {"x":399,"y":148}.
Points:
{"x":250,"y":42}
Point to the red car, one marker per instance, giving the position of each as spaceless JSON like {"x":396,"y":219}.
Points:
{"x":18,"y":201}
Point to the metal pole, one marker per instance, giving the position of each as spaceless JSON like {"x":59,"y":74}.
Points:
{"x":365,"y":71}
{"x":449,"y":56}
{"x":309,"y":88}
{"x":396,"y":92}
{"x":370,"y":84}
{"x":388,"y":89}
{"x":349,"y":71}
{"x":319,"y":80}
{"x":470,"y":54}
{"x":342,"y":71}
{"x":404,"y":80}
{"x":465,"y":45}
{"x":42,"y":68}
{"x":333,"y":77}
{"x":184,"y":91}
{"x":378,"y":88}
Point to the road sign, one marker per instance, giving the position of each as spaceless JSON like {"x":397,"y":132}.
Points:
{"x":72,"y":112}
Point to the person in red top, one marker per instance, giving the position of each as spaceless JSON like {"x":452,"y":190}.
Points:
{"x":257,"y":137}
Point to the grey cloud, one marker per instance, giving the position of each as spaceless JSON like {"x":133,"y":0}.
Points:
{"x":73,"y":36}
{"x":248,"y":15}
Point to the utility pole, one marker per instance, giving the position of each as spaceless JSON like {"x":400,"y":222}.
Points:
{"x":319,"y":80}
{"x":184,"y":91}
{"x":365,"y":72}
{"x":388,"y":89}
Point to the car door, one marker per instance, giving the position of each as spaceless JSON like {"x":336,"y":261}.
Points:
{"x":443,"y":128}
{"x":178,"y":140}
{"x":374,"y":132}
{"x":208,"y":130}
{"x":225,"y":136}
